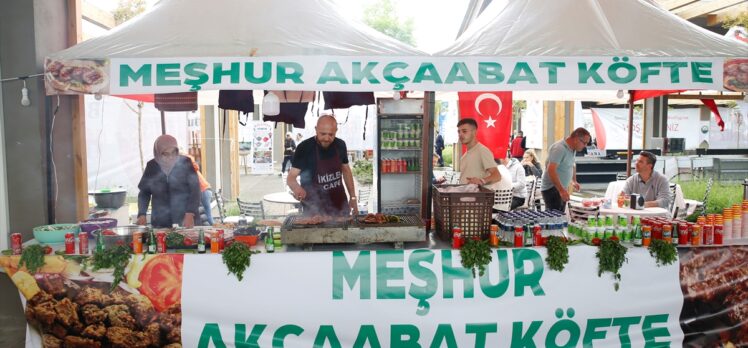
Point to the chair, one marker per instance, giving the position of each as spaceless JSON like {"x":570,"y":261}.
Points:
{"x":364,"y":194}
{"x":578,"y":212}
{"x":502,"y":200}
{"x":704,"y":203}
{"x":671,"y":195}
{"x":219,"y":204}
{"x":254,"y":209}
{"x":455,"y":178}
{"x":530,"y":182}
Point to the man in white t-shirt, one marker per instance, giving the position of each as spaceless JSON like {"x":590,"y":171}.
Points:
{"x":517,"y":182}
{"x":477,"y":165}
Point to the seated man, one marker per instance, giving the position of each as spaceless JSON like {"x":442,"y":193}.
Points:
{"x":652,"y":185}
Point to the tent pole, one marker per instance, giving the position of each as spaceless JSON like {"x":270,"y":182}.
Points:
{"x":631,"y":132}
{"x":163,"y":126}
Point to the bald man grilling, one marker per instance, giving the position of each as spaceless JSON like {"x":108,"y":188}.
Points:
{"x":322,"y":164}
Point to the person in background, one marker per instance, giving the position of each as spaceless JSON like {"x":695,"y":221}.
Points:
{"x":560,"y":169}
{"x":288,"y":150}
{"x":322,"y":164}
{"x":434,"y":180}
{"x":517,"y":173}
{"x":477,"y":165}
{"x":439,"y":147}
{"x":531,"y":164}
{"x":206,"y":194}
{"x":518,"y":146}
{"x":170,"y":184}
{"x":650,"y":184}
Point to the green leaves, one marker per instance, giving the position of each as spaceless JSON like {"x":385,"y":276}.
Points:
{"x":611,"y":256}
{"x":236,"y":257}
{"x":116,"y":258}
{"x":174,"y":240}
{"x":665,"y":253}
{"x":558,"y":253}
{"x":32,"y":257}
{"x":476,"y":254}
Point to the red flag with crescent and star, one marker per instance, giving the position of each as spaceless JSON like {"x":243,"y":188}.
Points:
{"x":493,"y":113}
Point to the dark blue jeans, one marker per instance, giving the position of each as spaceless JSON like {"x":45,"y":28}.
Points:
{"x":552,"y":199}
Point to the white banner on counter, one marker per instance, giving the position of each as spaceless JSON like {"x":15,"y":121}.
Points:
{"x":335,"y":73}
{"x":424,"y":298}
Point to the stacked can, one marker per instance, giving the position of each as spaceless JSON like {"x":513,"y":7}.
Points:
{"x":737,"y":225}
{"x":744,"y":218}
{"x":69,"y":243}
{"x":708,"y":230}
{"x":683,"y":235}
{"x":719,"y":235}
{"x":83,"y":243}
{"x":726,"y":216}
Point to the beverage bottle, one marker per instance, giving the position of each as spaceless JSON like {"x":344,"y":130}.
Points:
{"x":638,"y":238}
{"x":201,"y":242}
{"x":269,"y":241}
{"x":100,"y":242}
{"x":151,"y":242}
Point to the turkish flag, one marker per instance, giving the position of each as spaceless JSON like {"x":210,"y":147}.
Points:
{"x":493,"y":113}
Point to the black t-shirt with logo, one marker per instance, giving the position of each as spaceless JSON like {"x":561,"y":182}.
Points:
{"x":305,"y":158}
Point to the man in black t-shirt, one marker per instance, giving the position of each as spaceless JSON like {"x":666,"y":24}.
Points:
{"x":322,"y":164}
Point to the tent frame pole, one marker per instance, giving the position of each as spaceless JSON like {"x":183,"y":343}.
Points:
{"x":631,"y":132}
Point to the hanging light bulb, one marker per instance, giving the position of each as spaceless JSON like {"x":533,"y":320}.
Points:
{"x":25,"y":101}
{"x":396,"y":95}
{"x":270,"y":104}
{"x":620,"y":94}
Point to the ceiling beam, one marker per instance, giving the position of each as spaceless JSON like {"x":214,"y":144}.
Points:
{"x":706,"y":7}
{"x":97,"y":16}
{"x":674,"y":4}
{"x":718,"y":17}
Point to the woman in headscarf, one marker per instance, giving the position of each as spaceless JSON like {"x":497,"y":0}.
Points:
{"x":170,"y":184}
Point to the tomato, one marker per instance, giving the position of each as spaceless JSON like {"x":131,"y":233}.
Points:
{"x":188,"y":242}
{"x":595,"y":241}
{"x":108,"y":233}
{"x":161,"y":280}
{"x":615,"y":238}
{"x":48,"y":250}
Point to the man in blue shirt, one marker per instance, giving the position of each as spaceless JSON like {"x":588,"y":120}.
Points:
{"x":561,"y":170}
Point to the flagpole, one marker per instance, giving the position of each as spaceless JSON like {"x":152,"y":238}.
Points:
{"x":631,"y":132}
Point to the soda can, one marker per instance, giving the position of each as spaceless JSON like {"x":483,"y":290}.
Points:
{"x":137,"y":242}
{"x":161,"y":242}
{"x":708,"y":234}
{"x":16,"y":243}
{"x":683,"y":235}
{"x":221,"y":240}
{"x":83,"y":243}
{"x":695,"y":234}
{"x":456,"y":237}
{"x":69,"y":243}
{"x":667,"y":233}
{"x":718,"y":234}
{"x":646,"y":235}
{"x":538,"y":235}
{"x":519,"y":234}
{"x":494,"y":238}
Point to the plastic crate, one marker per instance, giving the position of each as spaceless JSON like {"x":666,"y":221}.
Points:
{"x":470,"y":211}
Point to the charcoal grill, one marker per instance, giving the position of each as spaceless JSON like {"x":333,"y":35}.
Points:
{"x":409,"y":229}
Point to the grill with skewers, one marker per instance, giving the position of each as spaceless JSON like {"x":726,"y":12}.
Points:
{"x":301,"y":230}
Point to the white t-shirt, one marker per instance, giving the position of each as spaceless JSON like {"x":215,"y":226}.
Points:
{"x":506,"y":180}
{"x":475,"y":162}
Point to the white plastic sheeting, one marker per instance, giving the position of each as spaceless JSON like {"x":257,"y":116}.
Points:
{"x":239,"y":28}
{"x":569,"y":28}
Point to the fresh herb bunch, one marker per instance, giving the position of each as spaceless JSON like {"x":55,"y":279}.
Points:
{"x":611,"y":256}
{"x":558,"y":253}
{"x":665,"y":253}
{"x":32,"y":257}
{"x":174,"y":240}
{"x":237,"y":258}
{"x":116,"y":258}
{"x":476,"y":253}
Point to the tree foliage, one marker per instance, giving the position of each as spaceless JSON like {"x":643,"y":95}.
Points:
{"x":740,"y":20}
{"x":383,"y":17}
{"x":127,"y":9}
